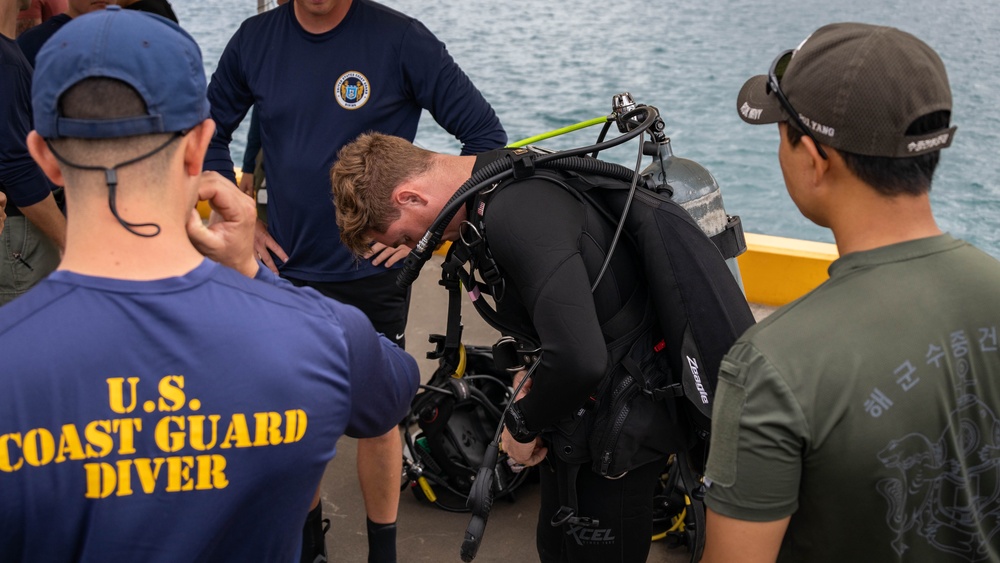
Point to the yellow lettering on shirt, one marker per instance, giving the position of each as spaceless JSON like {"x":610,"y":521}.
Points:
{"x":126,"y":429}
{"x":179,"y":473}
{"x":5,"y":452}
{"x":211,"y":472}
{"x":148,"y":471}
{"x":39,"y":447}
{"x":101,"y":479}
{"x":98,"y":434}
{"x":69,"y":443}
{"x":116,"y":394}
{"x":237,"y":432}
{"x":196,"y":427}
{"x":183,"y":473}
{"x":295,"y":428}
{"x":171,"y":389}
{"x":125,"y":475}
{"x":268,"y":429}
{"x":165,"y":439}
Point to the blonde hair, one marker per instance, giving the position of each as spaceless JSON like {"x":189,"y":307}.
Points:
{"x":367,"y":171}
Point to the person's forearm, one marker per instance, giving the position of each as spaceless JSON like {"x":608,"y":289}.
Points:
{"x":49,"y":219}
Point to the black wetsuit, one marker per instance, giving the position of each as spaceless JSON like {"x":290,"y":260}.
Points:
{"x":549,"y":246}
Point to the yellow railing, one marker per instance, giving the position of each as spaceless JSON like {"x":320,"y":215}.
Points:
{"x":777,"y":270}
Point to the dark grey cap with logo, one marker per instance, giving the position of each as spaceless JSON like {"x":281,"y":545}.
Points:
{"x":858,"y":87}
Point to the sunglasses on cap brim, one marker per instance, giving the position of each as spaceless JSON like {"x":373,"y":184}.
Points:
{"x":774,"y":76}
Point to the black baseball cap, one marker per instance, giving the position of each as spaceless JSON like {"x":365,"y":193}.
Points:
{"x":857,"y":88}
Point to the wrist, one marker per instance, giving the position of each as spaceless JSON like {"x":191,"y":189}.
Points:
{"x":514,"y":421}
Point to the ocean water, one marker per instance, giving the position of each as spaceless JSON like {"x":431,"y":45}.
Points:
{"x":548,"y":64}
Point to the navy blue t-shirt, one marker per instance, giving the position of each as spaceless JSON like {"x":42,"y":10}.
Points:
{"x":20,"y":178}
{"x":31,"y":41}
{"x":182,"y":419}
{"x":313,"y":94}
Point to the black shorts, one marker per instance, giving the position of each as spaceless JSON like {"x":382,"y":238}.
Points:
{"x":386,"y":306}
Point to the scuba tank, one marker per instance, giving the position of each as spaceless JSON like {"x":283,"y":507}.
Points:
{"x":690,"y":185}
{"x":693,"y":187}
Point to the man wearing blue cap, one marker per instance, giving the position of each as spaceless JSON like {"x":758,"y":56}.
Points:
{"x":862,"y":422}
{"x":163,"y":430}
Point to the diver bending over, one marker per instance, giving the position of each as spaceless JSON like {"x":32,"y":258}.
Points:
{"x":548,"y":246}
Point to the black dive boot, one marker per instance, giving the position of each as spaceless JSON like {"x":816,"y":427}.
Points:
{"x":313,"y":536}
{"x":381,"y":542}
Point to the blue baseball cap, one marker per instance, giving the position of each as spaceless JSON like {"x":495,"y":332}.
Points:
{"x":149,"y":53}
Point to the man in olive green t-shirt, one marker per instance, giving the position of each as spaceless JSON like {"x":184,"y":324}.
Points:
{"x":862,"y":422}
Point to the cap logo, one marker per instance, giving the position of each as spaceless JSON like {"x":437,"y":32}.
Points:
{"x":749,"y":112}
{"x":918,"y":146}
{"x":352,"y":90}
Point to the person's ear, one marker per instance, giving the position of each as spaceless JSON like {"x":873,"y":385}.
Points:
{"x":43,"y":156}
{"x":195,"y":145}
{"x":820,"y":165}
{"x":407,"y":195}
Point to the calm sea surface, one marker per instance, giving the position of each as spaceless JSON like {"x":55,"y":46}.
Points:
{"x":547,"y":64}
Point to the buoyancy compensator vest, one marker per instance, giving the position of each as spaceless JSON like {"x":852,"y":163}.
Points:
{"x":699,"y":307}
{"x":698,"y":312}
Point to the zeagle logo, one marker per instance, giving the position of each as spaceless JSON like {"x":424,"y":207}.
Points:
{"x":352,"y":90}
{"x":693,"y":363}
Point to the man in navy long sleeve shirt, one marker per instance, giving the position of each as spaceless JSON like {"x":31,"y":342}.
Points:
{"x":321,"y":72}
{"x":34,"y":221}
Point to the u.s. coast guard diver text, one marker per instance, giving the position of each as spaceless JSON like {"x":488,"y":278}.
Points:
{"x":209,"y":435}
